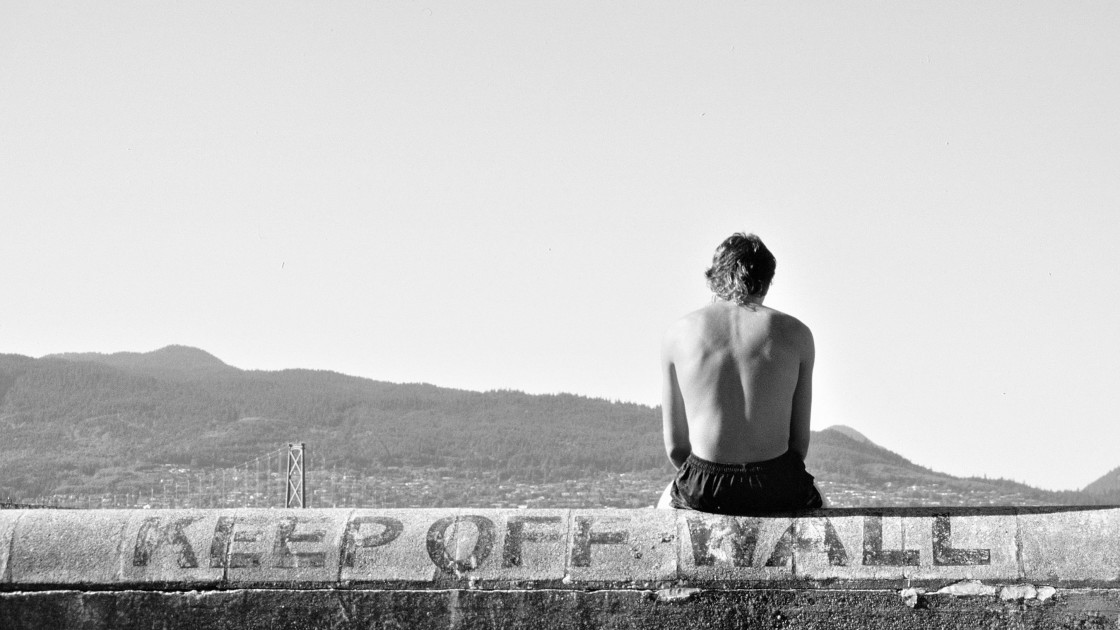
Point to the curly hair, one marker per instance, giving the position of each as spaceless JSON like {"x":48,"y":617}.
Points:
{"x":741,"y":267}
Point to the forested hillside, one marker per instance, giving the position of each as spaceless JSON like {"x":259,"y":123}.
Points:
{"x":93,"y":423}
{"x":1108,"y":484}
{"x":74,"y":417}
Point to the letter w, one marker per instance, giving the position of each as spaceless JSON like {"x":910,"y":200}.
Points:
{"x":711,"y":539}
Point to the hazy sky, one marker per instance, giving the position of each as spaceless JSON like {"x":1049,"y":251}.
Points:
{"x":524,"y":195}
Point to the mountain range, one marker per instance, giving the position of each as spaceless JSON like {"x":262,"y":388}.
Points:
{"x":90,"y":423}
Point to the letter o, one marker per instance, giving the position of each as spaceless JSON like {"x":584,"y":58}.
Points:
{"x":437,"y":544}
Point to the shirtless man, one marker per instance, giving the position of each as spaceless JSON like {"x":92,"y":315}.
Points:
{"x":738,"y":380}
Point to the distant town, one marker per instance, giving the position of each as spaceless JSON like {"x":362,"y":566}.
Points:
{"x":406,"y":487}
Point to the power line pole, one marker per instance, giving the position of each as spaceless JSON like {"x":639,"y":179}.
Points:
{"x":295,"y":486}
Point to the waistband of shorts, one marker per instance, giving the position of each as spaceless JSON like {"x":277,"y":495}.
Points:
{"x":783,"y":461}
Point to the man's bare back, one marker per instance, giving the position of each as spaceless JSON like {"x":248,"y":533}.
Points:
{"x":738,"y":384}
{"x":738,"y":388}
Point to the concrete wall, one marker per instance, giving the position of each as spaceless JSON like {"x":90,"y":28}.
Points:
{"x":450,"y":568}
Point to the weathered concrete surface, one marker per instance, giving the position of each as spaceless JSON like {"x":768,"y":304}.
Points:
{"x":67,"y":547}
{"x":1081,"y":547}
{"x":628,"y":546}
{"x":466,"y":568}
{"x":549,"y":608}
{"x":578,"y":549}
{"x":8,"y":520}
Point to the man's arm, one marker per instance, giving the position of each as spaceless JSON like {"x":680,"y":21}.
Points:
{"x":802,"y":400}
{"x":674,"y":423}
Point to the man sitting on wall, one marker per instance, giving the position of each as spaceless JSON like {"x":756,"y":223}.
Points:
{"x":737,"y":387}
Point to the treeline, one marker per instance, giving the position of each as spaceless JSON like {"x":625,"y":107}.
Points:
{"x":81,"y":422}
{"x":99,"y":423}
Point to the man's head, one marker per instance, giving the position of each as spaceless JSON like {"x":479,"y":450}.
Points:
{"x":742,"y":268}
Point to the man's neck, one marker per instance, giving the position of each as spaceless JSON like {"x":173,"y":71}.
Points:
{"x":748,"y":301}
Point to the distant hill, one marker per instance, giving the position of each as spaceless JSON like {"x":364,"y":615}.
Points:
{"x":91,"y":420}
{"x":850,"y":432}
{"x":169,"y":360}
{"x":1108,"y":484}
{"x":84,"y":423}
{"x":836,"y":454}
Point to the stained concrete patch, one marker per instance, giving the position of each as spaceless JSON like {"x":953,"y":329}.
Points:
{"x":251,"y":609}
{"x":68,"y":547}
{"x":962,"y":547}
{"x":390,"y":545}
{"x":265,"y":546}
{"x":8,"y":520}
{"x":538,"y":609}
{"x":734,"y":549}
{"x":1071,"y":547}
{"x":622,"y":545}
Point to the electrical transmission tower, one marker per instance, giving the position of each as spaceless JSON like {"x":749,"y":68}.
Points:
{"x":295,"y":487}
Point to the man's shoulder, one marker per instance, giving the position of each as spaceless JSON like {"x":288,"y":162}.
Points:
{"x":789,"y":321}
{"x":792,"y":326}
{"x":687,"y":328}
{"x":691,"y":318}
{"x":693,"y":322}
{"x":797,"y":333}
{"x":679,"y":327}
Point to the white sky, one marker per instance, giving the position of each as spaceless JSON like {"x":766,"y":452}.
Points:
{"x":525,"y":194}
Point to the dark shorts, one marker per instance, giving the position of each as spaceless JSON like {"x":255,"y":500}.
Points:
{"x":775,"y":485}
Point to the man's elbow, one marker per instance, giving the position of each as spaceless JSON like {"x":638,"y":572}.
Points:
{"x":678,"y":453}
{"x":800,"y":448}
